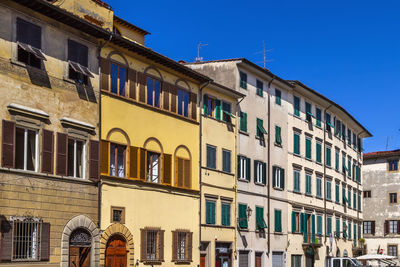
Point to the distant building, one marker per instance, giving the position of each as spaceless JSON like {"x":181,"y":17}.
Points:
{"x":381,"y":184}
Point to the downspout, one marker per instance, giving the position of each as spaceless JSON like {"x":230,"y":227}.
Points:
{"x":200,"y":152}
{"x":269,"y":164}
{"x":324,"y":148}
{"x":358,"y":185}
{"x":99,"y":184}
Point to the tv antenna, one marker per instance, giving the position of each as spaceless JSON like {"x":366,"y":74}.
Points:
{"x":198,"y":58}
{"x":264,"y":52}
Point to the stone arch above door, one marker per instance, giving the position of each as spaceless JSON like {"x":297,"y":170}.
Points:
{"x":122,"y":230}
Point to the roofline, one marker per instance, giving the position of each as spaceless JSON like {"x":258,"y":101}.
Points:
{"x":331,"y":102}
{"x":69,"y":19}
{"x":130,"y":25}
{"x":381,"y":154}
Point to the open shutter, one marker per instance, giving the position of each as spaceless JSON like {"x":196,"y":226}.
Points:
{"x":186,"y":173}
{"x":238,"y":167}
{"x":174,"y":94}
{"x":133,"y":162}
{"x":165,"y":92}
{"x":142,"y":87}
{"x":62,"y":152}
{"x":167,"y":168}
{"x":248,"y":169}
{"x":273,"y":176}
{"x":293,"y":222}
{"x":143,"y":244}
{"x":189,"y":245}
{"x":161,"y":245}
{"x":255,"y":171}
{"x":94,"y":159}
{"x":143,"y":164}
{"x":104,"y":157}
{"x":47,"y":151}
{"x":373,"y":227}
{"x":8,"y":144}
{"x":132,"y":83}
{"x":45,"y":242}
{"x":282,"y":177}
{"x":398,"y":226}
{"x":205,"y":105}
{"x":105,"y":74}
{"x":312,"y":228}
{"x":193,"y":100}
{"x":218,"y":109}
{"x":386,"y":227}
{"x":174,"y":245}
{"x":6,"y":241}
{"x":264,"y":173}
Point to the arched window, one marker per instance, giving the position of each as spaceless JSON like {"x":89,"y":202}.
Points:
{"x":183,"y":172}
{"x":80,"y":244}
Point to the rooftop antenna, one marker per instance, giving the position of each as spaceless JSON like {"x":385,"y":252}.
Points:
{"x":264,"y":52}
{"x":387,"y":143}
{"x":198,"y":58}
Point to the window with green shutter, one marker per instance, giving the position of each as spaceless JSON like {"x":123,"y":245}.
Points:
{"x":226,"y":214}
{"x":344,"y":169}
{"x":337,"y":193}
{"x":278,"y":220}
{"x":349,"y":198}
{"x":319,"y":152}
{"x":349,"y":230}
{"x":260,"y":222}
{"x":296,"y":143}
{"x":319,"y":225}
{"x":226,"y":161}
{"x":218,"y":109}
{"x":243,"y":216}
{"x":211,"y":157}
{"x":328,"y":156}
{"x":328,"y":122}
{"x":319,"y":187}
{"x":296,"y":105}
{"x":205,"y":102}
{"x":260,"y":172}
{"x":354,"y":201}
{"x":243,"y":168}
{"x":359,"y":202}
{"x":318,"y":116}
{"x":308,"y":184}
{"x":210,"y":212}
{"x":260,"y":87}
{"x":278,"y":137}
{"x":337,"y":160}
{"x":328,"y":190}
{"x":355,"y":232}
{"x":278,"y":95}
{"x":243,"y":80}
{"x":337,"y":228}
{"x":328,"y":226}
{"x":260,"y":128}
{"x":308,"y":147}
{"x":243,"y":121}
{"x":296,"y":181}
{"x":348,"y":136}
{"x":349,"y":167}
{"x":278,"y":177}
{"x":344,"y":232}
{"x":309,"y":114}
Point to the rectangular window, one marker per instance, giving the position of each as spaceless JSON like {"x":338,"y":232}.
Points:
{"x":243,"y":216}
{"x":226,"y":160}
{"x":328,"y":121}
{"x":309,"y":114}
{"x":296,"y":106}
{"x":344,"y":168}
{"x":278,"y":137}
{"x":319,"y":224}
{"x":243,"y":121}
{"x":27,"y":235}
{"x":295,"y":222}
{"x":359,"y":145}
{"x":308,"y":184}
{"x":210,"y":212}
{"x":183,"y":173}
{"x":260,"y":222}
{"x":76,"y":158}
{"x":117,"y":160}
{"x":260,"y":87}
{"x":29,"y":43}
{"x":226,"y":214}
{"x":367,"y":194}
{"x":392,"y":250}
{"x":153,"y":167}
{"x":259,"y":172}
{"x":393,"y":165}
{"x":328,"y":190}
{"x":243,"y":258}
{"x":359,"y":202}
{"x":243,"y":168}
{"x":319,"y":152}
{"x":278,"y":177}
{"x":319,"y":186}
{"x":343,"y":131}
{"x":118,"y":80}
{"x":78,"y":62}
{"x":296,"y":143}
{"x":337,"y":127}
{"x":182,"y":246}
{"x":348,"y":136}
{"x":296,"y":180}
{"x":393,"y":227}
{"x":296,"y":261}
{"x":278,"y":96}
{"x":260,"y":128}
{"x":354,"y":141}
{"x":337,"y":160}
{"x":209,"y":106}
{"x":243,"y":80}
{"x":183,"y":102}
{"x":152,"y":245}
{"x":328,"y":156}
{"x":308,"y":147}
{"x":154,"y":92}
{"x":354,"y":200}
{"x":337,"y":228}
{"x":328,"y":226}
{"x":318,"y":116}
{"x":211,"y":157}
{"x":349,"y":167}
{"x":392,"y":198}
{"x":118,"y":214}
{"x":26,"y":149}
{"x":278,"y":220}
{"x":349,"y":198}
{"x":337,"y":193}
{"x":226,"y":112}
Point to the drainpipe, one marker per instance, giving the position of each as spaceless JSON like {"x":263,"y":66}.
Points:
{"x":358,"y":186}
{"x":99,"y":184}
{"x":324,"y":148}
{"x":269,"y":163}
{"x":200,"y":152}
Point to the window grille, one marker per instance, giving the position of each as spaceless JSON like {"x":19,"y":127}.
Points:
{"x":26,"y":239}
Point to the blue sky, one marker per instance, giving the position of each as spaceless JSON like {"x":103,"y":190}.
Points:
{"x":346,"y":50}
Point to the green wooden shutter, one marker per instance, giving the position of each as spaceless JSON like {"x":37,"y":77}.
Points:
{"x":278,"y":221}
{"x":337,"y":227}
{"x":313,"y":229}
{"x":278,"y":138}
{"x":293,"y":222}
{"x":205,"y":101}
{"x":239,"y":168}
{"x":319,"y":147}
{"x":242,"y":216}
{"x":305,"y":233}
{"x":248,"y":169}
{"x":359,"y":202}
{"x":344,"y":232}
{"x":329,"y":226}
{"x":282,"y":177}
{"x":255,"y":170}
{"x":337,"y":160}
{"x":264,"y":173}
{"x":337,"y":191}
{"x":296,"y":142}
{"x":218,"y":109}
{"x":243,"y":121}
{"x":273,"y":176}
{"x":308,"y":148}
{"x":344,"y":196}
{"x":328,"y":156}
{"x":319,"y":225}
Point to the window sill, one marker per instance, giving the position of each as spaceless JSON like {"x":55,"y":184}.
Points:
{"x":278,"y":188}
{"x":244,"y":133}
{"x":297,"y":192}
{"x":320,"y":198}
{"x":309,"y":159}
{"x":219,"y":171}
{"x":278,"y":233}
{"x":297,"y":155}
{"x":278,"y":145}
{"x":260,"y":184}
{"x":212,"y":118}
{"x":308,"y":195}
{"x":243,"y":180}
{"x":24,"y":65}
{"x":178,"y":262}
{"x":152,"y":262}
{"x":319,"y":163}
{"x":218,"y":226}
{"x":318,"y":126}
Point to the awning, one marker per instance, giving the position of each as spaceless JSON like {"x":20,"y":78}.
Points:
{"x":80,"y":69}
{"x":260,"y":127}
{"x":309,"y":113}
{"x":261,"y":222}
{"x":228,"y":113}
{"x":331,"y":125}
{"x":33,"y":50}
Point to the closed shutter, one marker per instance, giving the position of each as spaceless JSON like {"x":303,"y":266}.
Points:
{"x":264,"y":173}
{"x":47,"y":151}
{"x":293,"y":222}
{"x":282,"y":177}
{"x":174,"y":94}
{"x":62,"y":152}
{"x":205,"y":105}
{"x":134,"y":162}
{"x":277,"y":259}
{"x":189,"y":245}
{"x":193,"y":101}
{"x":373,"y":227}
{"x":248,"y":169}
{"x":278,"y":138}
{"x":274,"y":168}
{"x":105,"y":74}
{"x":167,"y":169}
{"x":174,"y":245}
{"x":312,"y":228}
{"x":45,"y":242}
{"x":243,"y":121}
{"x":161,"y":245}
{"x":143,"y":244}
{"x":243,"y":259}
{"x":142,"y":87}
{"x":278,"y":221}
{"x":179,"y":172}
{"x":132,"y":83}
{"x":94,"y":159}
{"x":239,"y":167}
{"x":186,"y":173}
{"x":143,"y":164}
{"x":6,"y":241}
{"x":243,"y":216}
{"x":296,"y":149}
{"x":104,"y":157}
{"x":8,"y":144}
{"x":329,"y":227}
{"x":218,"y":109}
{"x":319,"y":225}
{"x":319,"y":158}
{"x":165,"y":93}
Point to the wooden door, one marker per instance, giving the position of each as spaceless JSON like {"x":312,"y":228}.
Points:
{"x":202,"y":260}
{"x":258,"y":260}
{"x":116,"y":254}
{"x":79,"y":256}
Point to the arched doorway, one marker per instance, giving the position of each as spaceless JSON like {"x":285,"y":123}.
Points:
{"x":80,"y":245}
{"x":116,"y":253}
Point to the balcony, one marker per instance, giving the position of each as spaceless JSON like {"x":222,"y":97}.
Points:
{"x":312,"y":240}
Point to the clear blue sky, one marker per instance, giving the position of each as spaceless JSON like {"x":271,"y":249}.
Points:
{"x":346,"y":50}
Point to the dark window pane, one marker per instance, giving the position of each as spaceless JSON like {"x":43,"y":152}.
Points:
{"x":122,"y":80}
{"x":77,"y":53}
{"x":79,"y":162}
{"x":150,"y":83}
{"x":19,"y":148}
{"x":28,"y":33}
{"x":180,"y":100}
{"x":186,"y":104}
{"x":114,"y":78}
{"x":157,"y":92}
{"x":70,"y":157}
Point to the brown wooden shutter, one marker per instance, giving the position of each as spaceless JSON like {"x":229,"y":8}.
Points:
{"x":143,"y":164}
{"x":132,"y":83}
{"x":386,"y":227}
{"x":6,"y":241}
{"x":45,"y":242}
{"x":186,"y":168}
{"x":398,"y":226}
{"x":189,"y":245}
{"x":193,"y":100}
{"x":134,"y":164}
{"x":373,"y":227}
{"x":143,"y":245}
{"x":47,"y":151}
{"x":104,"y":157}
{"x":174,"y":245}
{"x":167,"y":166}
{"x":161,"y":245}
{"x":179,"y":172}
{"x":62,"y":152}
{"x":142,"y":87}
{"x":165,"y":93}
{"x":94,"y":158}
{"x":174,"y":94}
{"x":105,"y":74}
{"x":8,"y":144}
